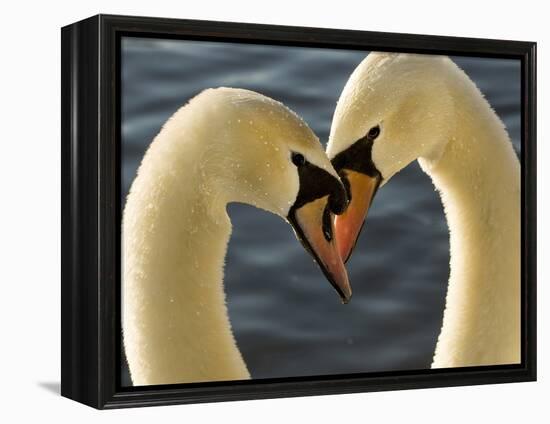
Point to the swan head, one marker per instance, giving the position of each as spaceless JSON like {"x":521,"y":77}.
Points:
{"x":394,"y":109}
{"x":265,"y":155}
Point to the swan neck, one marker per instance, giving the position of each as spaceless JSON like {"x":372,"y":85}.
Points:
{"x":176,"y":232}
{"x":478,"y":178}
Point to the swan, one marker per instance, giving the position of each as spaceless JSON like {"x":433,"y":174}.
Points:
{"x":396,"y":108}
{"x":226,"y":145}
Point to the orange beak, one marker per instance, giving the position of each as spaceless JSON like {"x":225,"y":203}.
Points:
{"x":314,"y":228}
{"x":348,"y":225}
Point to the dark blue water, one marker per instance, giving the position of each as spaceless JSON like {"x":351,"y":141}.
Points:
{"x":287,"y":319}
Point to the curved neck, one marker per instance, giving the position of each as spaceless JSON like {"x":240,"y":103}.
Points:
{"x":478,"y":177}
{"x":175,"y":236}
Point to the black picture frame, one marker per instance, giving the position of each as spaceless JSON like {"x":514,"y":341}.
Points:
{"x":90,"y":222}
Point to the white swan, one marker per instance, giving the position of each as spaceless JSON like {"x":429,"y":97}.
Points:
{"x":226,"y":145}
{"x":396,"y":108}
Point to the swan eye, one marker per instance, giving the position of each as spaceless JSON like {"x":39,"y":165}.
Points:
{"x":298,"y":159}
{"x":373,"y":133}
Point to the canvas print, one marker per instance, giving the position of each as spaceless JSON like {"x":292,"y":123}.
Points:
{"x":291,"y":211}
